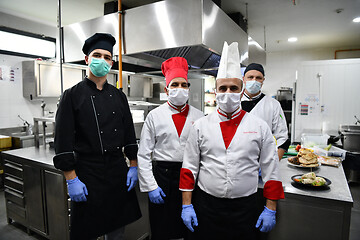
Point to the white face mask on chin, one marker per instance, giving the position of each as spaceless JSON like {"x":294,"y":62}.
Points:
{"x":178,"y":96}
{"x":228,"y":102}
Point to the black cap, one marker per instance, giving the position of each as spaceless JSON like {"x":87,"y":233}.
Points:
{"x":99,"y":41}
{"x":255,"y":66}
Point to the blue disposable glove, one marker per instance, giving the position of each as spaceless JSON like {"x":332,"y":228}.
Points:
{"x":188,"y":216}
{"x":77,"y":190}
{"x":132,"y":178}
{"x":155,"y":196}
{"x":267,"y":220}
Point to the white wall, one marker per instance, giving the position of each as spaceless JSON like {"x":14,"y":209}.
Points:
{"x":12,"y":102}
{"x":328,"y":91}
{"x":281,"y":66}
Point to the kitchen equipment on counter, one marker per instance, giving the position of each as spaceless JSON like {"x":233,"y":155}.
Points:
{"x":311,"y":140}
{"x":350,"y":137}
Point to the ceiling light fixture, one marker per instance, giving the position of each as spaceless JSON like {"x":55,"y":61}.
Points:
{"x":292,"y":39}
{"x":356,"y":20}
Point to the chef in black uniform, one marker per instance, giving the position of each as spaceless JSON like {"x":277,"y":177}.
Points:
{"x":94,"y":129}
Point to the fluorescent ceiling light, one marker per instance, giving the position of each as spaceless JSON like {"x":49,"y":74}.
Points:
{"x":292,"y":39}
{"x":18,"y":43}
{"x":356,"y":20}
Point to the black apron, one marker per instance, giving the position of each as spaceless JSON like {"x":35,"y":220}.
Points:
{"x":165,"y":219}
{"x":224,"y":218}
{"x":109,"y":205}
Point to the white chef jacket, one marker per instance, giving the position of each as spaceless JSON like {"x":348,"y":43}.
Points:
{"x":269,"y":110}
{"x":160,"y":141}
{"x":231,"y":172}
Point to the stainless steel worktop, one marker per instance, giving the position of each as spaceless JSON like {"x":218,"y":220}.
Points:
{"x":42,"y":158}
{"x":319,"y":213}
{"x":338,"y":189}
{"x":39,"y":156}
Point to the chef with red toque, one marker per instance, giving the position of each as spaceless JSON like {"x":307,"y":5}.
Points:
{"x":221,"y":163}
{"x":161,"y":149}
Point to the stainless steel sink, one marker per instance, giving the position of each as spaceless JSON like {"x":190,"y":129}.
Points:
{"x":19,"y":134}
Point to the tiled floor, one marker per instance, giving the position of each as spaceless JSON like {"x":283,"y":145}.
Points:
{"x":17,"y":232}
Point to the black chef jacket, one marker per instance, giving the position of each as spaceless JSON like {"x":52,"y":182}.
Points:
{"x":93,"y":127}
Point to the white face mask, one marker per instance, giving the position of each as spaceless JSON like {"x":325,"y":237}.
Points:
{"x":228,"y":102}
{"x":178,"y":96}
{"x":253,"y":86}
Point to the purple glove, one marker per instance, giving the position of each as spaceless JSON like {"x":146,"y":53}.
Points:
{"x":155,"y":196}
{"x":132,"y":178}
{"x":188,"y":216}
{"x":267,"y":220}
{"x":77,"y":190}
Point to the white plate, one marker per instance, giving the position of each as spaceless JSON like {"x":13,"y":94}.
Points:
{"x":299,"y":166}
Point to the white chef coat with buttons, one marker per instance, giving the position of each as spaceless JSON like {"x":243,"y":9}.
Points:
{"x":269,"y":110}
{"x":230,"y":172}
{"x":160,"y":141}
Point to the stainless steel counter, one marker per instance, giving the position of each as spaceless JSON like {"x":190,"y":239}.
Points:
{"x":338,"y":190}
{"x":314,"y":213}
{"x":39,"y":156}
{"x":42,"y":158}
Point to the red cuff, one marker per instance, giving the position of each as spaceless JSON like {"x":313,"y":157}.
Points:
{"x":186,"y":179}
{"x":273,"y":190}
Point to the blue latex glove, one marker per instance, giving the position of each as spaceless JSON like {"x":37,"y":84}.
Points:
{"x":267,"y":220}
{"x":77,"y":190}
{"x":132,"y":178}
{"x":155,"y":196}
{"x":188,"y":216}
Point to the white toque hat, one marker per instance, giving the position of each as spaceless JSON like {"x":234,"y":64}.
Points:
{"x":230,"y":62}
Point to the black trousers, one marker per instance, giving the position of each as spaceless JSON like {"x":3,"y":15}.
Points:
{"x":224,"y":218}
{"x":165,"y":219}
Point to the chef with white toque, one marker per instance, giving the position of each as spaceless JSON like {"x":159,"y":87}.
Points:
{"x":221,"y":163}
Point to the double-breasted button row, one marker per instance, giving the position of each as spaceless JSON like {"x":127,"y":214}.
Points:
{"x":101,"y":132}
{"x":98,"y":114}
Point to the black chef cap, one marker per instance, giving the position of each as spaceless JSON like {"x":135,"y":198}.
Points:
{"x":99,"y":41}
{"x":255,"y":66}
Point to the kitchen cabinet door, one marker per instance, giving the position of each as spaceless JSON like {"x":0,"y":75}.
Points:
{"x":35,"y":207}
{"x":49,"y":81}
{"x":57,"y":207}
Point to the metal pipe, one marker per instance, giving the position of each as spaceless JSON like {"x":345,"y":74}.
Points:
{"x":119,"y":83}
{"x":61,"y":45}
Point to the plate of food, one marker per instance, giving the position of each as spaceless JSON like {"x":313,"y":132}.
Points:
{"x":310,"y":180}
{"x":305,"y":159}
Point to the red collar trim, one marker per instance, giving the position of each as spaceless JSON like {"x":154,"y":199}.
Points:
{"x":175,"y":108}
{"x":234,"y":115}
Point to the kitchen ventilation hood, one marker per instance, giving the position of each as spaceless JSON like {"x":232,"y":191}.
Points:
{"x":193,"y":29}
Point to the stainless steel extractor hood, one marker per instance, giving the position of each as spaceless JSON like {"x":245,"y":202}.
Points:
{"x":193,"y":29}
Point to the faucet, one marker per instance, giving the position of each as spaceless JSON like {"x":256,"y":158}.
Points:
{"x":43,"y":104}
{"x":357,"y":120}
{"x":29,"y":126}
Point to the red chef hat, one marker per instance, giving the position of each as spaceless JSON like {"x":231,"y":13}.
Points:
{"x":174,"y":67}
